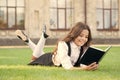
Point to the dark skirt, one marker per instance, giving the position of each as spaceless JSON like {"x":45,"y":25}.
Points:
{"x":45,"y":60}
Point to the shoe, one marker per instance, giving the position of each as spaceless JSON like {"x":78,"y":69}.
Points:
{"x":45,"y":35}
{"x":20,"y":34}
{"x":44,"y":32}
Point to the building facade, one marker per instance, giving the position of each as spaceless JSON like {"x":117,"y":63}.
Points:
{"x":59,"y":16}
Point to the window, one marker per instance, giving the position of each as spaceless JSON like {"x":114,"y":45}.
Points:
{"x":61,"y":14}
{"x":11,"y":14}
{"x":107,"y":14}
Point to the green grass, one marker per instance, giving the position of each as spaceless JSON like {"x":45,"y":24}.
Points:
{"x":13,"y":66}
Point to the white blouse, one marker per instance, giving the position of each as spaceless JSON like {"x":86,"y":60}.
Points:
{"x":62,"y":55}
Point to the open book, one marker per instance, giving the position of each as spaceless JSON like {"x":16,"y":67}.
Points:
{"x":93,"y":55}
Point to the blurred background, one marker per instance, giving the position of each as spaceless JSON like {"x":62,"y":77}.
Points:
{"x":59,"y":16}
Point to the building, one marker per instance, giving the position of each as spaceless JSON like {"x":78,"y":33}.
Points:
{"x":59,"y":16}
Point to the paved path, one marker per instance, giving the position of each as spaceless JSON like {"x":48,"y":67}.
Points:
{"x":54,"y":46}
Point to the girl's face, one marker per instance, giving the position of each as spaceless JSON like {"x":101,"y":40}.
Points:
{"x":82,"y":38}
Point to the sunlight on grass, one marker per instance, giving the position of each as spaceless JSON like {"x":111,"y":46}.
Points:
{"x":24,"y":67}
{"x":13,"y":66}
{"x":10,"y":57}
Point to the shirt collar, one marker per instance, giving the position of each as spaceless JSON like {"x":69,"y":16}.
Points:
{"x":73,"y":45}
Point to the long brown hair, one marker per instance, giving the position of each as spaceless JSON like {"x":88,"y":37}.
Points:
{"x":75,"y":32}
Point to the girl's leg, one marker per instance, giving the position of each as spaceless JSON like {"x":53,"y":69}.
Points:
{"x":37,"y":49}
{"x":31,"y":44}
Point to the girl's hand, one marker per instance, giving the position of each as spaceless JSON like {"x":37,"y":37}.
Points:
{"x":92,"y":66}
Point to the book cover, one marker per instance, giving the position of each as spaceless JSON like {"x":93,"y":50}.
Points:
{"x":93,"y":55}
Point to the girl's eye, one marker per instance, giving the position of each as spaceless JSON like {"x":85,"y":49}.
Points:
{"x":83,"y":36}
{"x":87,"y":37}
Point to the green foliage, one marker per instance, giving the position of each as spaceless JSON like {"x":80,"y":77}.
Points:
{"x":13,"y":66}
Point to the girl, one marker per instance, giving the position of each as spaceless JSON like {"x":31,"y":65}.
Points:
{"x":67,"y":52}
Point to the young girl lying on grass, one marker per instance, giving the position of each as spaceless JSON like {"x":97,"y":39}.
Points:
{"x":67,"y":52}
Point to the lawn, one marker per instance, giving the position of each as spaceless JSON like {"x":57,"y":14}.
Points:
{"x":13,"y":66}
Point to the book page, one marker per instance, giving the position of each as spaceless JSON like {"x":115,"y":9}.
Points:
{"x":107,"y":48}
